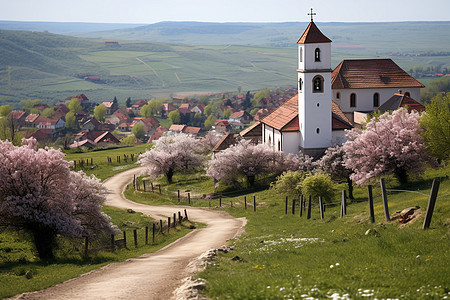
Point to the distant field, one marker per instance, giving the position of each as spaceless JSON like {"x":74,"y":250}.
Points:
{"x":52,"y":67}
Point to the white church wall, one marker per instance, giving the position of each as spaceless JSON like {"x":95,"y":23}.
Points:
{"x":338,"y":137}
{"x":364,"y":97}
{"x":291,"y":142}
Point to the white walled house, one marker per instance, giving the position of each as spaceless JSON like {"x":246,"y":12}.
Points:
{"x":327,"y":100}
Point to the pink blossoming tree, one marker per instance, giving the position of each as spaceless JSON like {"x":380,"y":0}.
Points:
{"x":248,"y":160}
{"x":39,"y":193}
{"x":333,"y":163}
{"x":390,"y":144}
{"x":172,"y":153}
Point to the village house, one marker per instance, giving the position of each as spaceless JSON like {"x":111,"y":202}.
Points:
{"x":199,"y":108}
{"x":194,"y":131}
{"x":18,"y":116}
{"x":157,"y":134}
{"x":136,"y":107}
{"x":111,"y":107}
{"x":242,"y":117}
{"x":222,"y":126}
{"x":50,"y":123}
{"x":118,"y":117}
{"x":30,"y":120}
{"x":90,"y":125}
{"x":166,"y":108}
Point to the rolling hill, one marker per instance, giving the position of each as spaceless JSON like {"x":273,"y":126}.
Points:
{"x":189,"y":57}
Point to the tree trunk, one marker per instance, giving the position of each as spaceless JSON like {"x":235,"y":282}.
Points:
{"x":251,"y":179}
{"x":44,"y":240}
{"x":350,"y":188}
{"x":402,"y":176}
{"x":169,"y":175}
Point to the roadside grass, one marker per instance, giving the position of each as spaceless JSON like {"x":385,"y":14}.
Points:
{"x":101,"y":168}
{"x":21,"y":271}
{"x":287,"y":256}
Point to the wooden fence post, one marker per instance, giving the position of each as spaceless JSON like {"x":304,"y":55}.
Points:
{"x":245,"y":202}
{"x":344,"y":203}
{"x":431,"y":203}
{"x":143,"y":181}
{"x":301,"y":205}
{"x":372,"y":213}
{"x":92,"y":161}
{"x":135,"y":237}
{"x":180,"y":219}
{"x":159,"y":186}
{"x":254,"y":203}
{"x":112,"y":242}
{"x":168,"y":224}
{"x":86,"y":246}
{"x":309,"y":209}
{"x":178,"y":195}
{"x":286,"y":206}
{"x":293,"y":206}
{"x":160,"y":226}
{"x":134,"y":181}
{"x":220,"y":201}
{"x":125,"y":239}
{"x":385,"y":201}
{"x":174,"y":220}
{"x":321,"y":207}
{"x":189,"y":198}
{"x":146,"y":235}
{"x":185,"y":214}
{"x":153,"y":234}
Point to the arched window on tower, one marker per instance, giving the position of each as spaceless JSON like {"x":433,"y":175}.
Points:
{"x":318,"y":84}
{"x":376,"y":100}
{"x":317,"y":54}
{"x":353,"y":100}
{"x":300,"y":85}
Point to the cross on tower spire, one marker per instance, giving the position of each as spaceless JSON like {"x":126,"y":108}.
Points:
{"x":311,"y":14}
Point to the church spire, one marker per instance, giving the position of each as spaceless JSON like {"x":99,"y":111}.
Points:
{"x":312,"y":34}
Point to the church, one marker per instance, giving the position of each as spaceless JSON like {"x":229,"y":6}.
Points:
{"x":329,"y":101}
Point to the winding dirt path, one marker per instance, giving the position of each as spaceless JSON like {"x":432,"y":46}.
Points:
{"x":150,"y":276}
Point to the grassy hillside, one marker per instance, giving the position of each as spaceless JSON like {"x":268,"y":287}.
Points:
{"x":248,"y":55}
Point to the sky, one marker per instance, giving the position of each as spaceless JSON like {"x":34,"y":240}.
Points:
{"x":153,"y":11}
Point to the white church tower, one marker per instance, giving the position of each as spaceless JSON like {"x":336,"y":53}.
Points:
{"x":314,"y":90}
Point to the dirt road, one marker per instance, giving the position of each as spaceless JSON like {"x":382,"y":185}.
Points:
{"x":151,"y":276}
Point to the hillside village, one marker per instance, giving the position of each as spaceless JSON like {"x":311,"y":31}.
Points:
{"x":222,"y":113}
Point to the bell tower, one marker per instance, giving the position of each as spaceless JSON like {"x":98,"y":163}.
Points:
{"x":314,"y":90}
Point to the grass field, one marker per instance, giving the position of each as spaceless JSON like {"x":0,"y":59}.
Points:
{"x":287,"y":256}
{"x":52,"y":67}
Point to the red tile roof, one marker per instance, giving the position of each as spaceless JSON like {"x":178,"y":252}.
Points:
{"x":313,"y":35}
{"x":283,"y":115}
{"x":191,"y":130}
{"x":400,"y":100}
{"x":371,"y":73}
{"x":31,"y":118}
{"x":176,"y":127}
{"x":17,"y":114}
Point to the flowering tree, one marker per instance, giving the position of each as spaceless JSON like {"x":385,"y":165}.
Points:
{"x":172,"y":153}
{"x":248,"y":160}
{"x":39,"y":193}
{"x":390,"y":144}
{"x":211,"y":139}
{"x":333,"y":163}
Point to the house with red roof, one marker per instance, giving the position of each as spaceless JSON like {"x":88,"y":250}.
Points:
{"x":30,"y":120}
{"x":18,"y":116}
{"x":184,"y":129}
{"x":118,"y":117}
{"x":52,"y":123}
{"x":157,"y":134}
{"x":166,"y":108}
{"x":240,"y":117}
{"x":136,"y":107}
{"x":200,"y":108}
{"x":111,"y":107}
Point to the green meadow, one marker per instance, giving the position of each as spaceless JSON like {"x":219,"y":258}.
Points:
{"x":289,"y":256}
